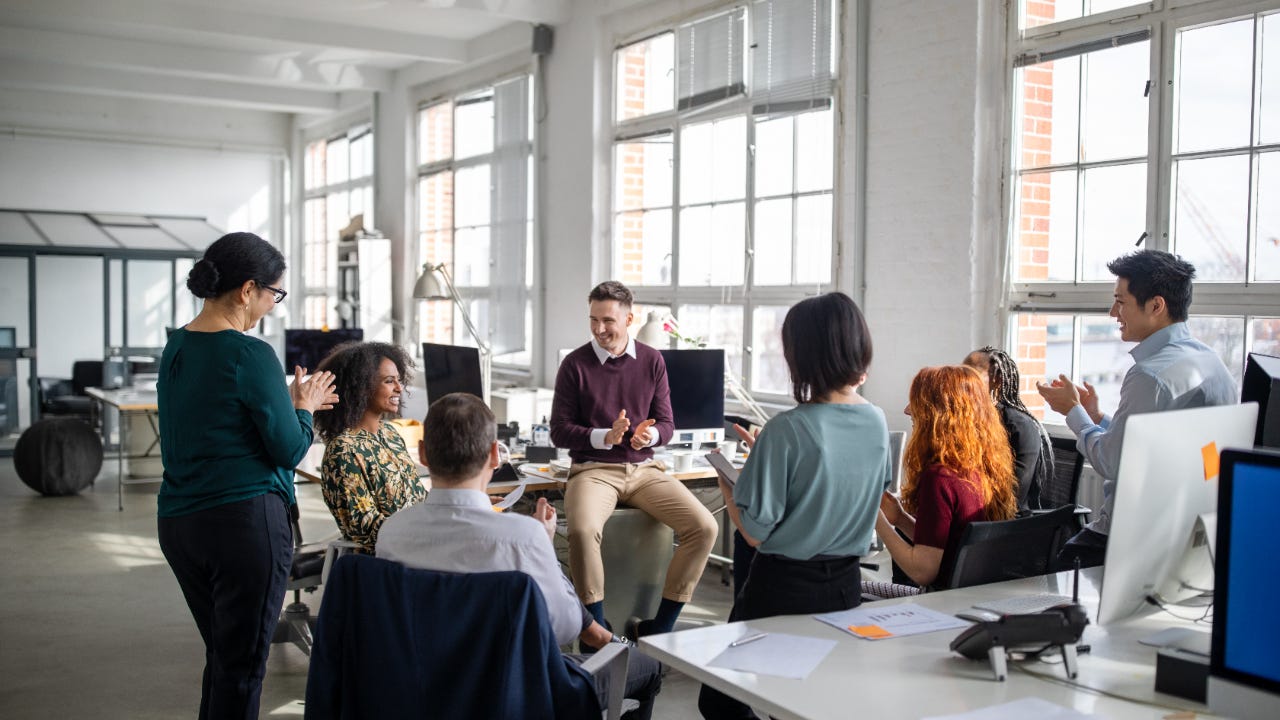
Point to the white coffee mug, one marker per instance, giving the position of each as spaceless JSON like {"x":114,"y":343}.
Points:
{"x":683,"y":461}
{"x":729,"y":448}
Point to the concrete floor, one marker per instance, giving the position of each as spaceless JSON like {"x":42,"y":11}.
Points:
{"x":92,"y":623}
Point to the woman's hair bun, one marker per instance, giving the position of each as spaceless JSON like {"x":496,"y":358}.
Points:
{"x":202,"y":281}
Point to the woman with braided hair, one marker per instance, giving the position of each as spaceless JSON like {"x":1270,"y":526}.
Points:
{"x":1032,"y":453}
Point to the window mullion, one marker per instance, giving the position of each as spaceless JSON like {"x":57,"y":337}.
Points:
{"x":1160,"y":141}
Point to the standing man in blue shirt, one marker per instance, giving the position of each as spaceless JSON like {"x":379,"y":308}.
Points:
{"x":1171,"y":371}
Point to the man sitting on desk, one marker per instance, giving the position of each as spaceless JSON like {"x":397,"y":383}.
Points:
{"x":603,"y":387}
{"x":456,"y":530}
{"x":1171,"y":371}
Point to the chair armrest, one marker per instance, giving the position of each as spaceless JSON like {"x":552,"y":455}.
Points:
{"x":332,"y":552}
{"x":613,"y":659}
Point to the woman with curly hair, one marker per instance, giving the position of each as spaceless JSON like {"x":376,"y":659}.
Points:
{"x":367,"y":473}
{"x":958,"y":469}
{"x":1032,"y":451}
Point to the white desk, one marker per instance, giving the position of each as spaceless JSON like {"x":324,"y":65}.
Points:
{"x":128,"y":401}
{"x":918,"y":676}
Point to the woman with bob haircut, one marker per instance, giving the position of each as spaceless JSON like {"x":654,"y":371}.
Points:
{"x":367,"y":473}
{"x":958,"y":469}
{"x":807,"y":497}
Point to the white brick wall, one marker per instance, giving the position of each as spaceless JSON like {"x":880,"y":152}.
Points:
{"x":929,"y":248}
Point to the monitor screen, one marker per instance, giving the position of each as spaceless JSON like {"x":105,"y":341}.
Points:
{"x":696,"y":378}
{"x":1168,"y":470}
{"x":306,"y":348}
{"x":1246,"y":627}
{"x":449,"y":369}
{"x":1262,"y":385}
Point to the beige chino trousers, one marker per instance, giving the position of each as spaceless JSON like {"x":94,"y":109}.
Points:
{"x":595,"y":489}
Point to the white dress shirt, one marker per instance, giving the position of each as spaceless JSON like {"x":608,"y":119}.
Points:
{"x":1171,"y":371}
{"x":458,"y":531}
{"x":597,"y":434}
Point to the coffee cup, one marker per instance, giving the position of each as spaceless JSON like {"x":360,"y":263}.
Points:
{"x":683,"y":461}
{"x":728,"y":448}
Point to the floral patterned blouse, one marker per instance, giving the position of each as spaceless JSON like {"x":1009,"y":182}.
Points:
{"x":366,"y":477}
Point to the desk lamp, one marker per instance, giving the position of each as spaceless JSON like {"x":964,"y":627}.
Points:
{"x":435,"y":284}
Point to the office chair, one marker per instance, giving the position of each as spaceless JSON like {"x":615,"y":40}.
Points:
{"x":1068,"y":464}
{"x":399,"y":642}
{"x":63,"y":396}
{"x":992,"y":551}
{"x":1008,"y":549}
{"x":307,"y":573}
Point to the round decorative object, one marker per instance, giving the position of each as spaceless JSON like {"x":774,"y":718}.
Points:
{"x":58,"y":456}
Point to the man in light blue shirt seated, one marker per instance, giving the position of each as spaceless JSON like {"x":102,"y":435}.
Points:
{"x":1171,"y":371}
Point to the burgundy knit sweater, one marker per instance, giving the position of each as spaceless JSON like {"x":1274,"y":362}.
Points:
{"x":589,"y":395}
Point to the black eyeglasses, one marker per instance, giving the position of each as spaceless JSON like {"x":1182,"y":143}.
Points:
{"x":280,"y":294}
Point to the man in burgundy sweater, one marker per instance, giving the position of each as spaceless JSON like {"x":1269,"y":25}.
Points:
{"x":612,"y":406}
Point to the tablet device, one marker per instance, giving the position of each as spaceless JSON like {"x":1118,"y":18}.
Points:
{"x":723,"y":467}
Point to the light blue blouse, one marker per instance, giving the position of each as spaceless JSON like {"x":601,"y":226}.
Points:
{"x":813,"y":481}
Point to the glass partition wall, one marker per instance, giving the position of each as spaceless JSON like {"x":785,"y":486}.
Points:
{"x":77,"y":287}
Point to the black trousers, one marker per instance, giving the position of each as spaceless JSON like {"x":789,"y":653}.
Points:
{"x":778,"y":585}
{"x":232,"y":563}
{"x":644,"y":681}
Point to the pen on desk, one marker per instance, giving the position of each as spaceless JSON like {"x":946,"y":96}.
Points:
{"x":748,"y":639}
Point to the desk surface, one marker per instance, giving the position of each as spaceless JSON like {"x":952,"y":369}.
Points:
{"x":918,"y":676}
{"x":127,"y":399}
{"x":309,"y":471}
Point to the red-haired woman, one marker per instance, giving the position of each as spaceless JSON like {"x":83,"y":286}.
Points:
{"x":958,"y":470}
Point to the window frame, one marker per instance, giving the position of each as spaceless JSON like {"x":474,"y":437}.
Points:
{"x":472,"y":295}
{"x":748,"y":296}
{"x":307,"y":288}
{"x":1245,"y":300}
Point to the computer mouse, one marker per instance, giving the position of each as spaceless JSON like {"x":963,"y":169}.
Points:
{"x":976,"y":615}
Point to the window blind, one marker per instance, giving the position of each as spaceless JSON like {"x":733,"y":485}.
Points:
{"x":709,"y":59}
{"x":510,"y":203}
{"x":792,"y":54}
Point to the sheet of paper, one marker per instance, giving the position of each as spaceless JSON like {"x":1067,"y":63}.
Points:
{"x":779,"y":654}
{"x":890,"y":621}
{"x":539,"y":470}
{"x":511,"y":497}
{"x":1019,"y":710}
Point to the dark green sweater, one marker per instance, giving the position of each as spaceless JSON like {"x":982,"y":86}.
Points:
{"x":228,"y":430}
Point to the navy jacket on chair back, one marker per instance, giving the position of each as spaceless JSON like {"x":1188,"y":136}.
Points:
{"x":396,"y":642}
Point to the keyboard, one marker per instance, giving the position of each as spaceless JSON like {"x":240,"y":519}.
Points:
{"x":1020,"y":604}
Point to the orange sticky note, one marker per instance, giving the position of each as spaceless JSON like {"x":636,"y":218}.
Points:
{"x":870,"y":632}
{"x":1210,"y":455}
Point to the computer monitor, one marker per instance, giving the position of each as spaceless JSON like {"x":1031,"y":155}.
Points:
{"x":306,"y":348}
{"x":696,"y":378}
{"x":1244,"y":674}
{"x":449,"y":369}
{"x":1167,"y":478}
{"x":1262,"y":385}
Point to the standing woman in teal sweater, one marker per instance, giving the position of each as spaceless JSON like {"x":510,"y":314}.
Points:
{"x":231,"y":433}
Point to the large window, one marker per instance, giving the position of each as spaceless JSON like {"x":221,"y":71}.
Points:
{"x":338,"y":182}
{"x":474,"y":215}
{"x":1142,"y":126}
{"x":723,"y":165}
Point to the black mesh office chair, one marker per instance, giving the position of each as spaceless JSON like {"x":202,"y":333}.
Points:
{"x":1061,"y":488}
{"x":1009,"y":549}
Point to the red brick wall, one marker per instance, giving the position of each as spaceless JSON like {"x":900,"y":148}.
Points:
{"x":629,"y":242}
{"x":1033,"y":208}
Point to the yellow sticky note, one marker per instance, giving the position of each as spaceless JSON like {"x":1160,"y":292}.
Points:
{"x":1210,"y":455}
{"x":870,"y":632}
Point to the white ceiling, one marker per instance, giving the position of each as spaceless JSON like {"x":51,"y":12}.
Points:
{"x":276,"y":55}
